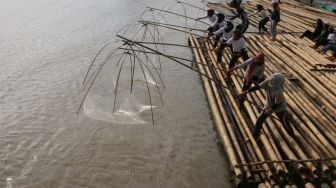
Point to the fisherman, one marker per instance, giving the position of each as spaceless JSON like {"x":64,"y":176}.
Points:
{"x":255,"y":68}
{"x":313,"y":35}
{"x":239,"y":48}
{"x":220,"y":22}
{"x":331,"y":41}
{"x":264,"y":18}
{"x":210,"y":15}
{"x":226,"y":33}
{"x":275,"y":102}
{"x":244,"y":18}
{"x":275,"y":18}
{"x":322,"y":39}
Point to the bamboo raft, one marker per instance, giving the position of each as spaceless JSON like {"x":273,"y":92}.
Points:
{"x":277,"y":159}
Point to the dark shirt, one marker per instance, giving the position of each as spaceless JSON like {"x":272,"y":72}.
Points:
{"x":318,"y":29}
{"x":242,"y":15}
{"x":275,"y":15}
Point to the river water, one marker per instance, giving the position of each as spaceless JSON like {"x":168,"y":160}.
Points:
{"x":46,"y":47}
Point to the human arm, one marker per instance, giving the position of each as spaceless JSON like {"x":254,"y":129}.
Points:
{"x":263,"y":84}
{"x":204,"y":17}
{"x":219,"y":31}
{"x":242,"y":65}
{"x":254,"y":13}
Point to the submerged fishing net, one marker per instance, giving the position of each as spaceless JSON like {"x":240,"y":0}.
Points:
{"x":124,"y":84}
{"x":125,"y":91}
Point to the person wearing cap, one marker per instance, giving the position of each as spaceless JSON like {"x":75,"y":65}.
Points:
{"x":318,"y":30}
{"x":235,"y":3}
{"x":244,"y":18}
{"x":220,"y":22}
{"x":275,"y":19}
{"x":264,"y":18}
{"x":239,"y":48}
{"x":210,"y":15}
{"x":226,"y":33}
{"x":255,"y":68}
{"x":275,"y":103}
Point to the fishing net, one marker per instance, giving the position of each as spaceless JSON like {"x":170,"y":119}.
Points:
{"x":125,"y":91}
{"x":124,"y":84}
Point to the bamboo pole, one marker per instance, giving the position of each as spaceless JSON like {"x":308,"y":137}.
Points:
{"x":228,"y":124}
{"x":247,"y":139}
{"x":177,"y":14}
{"x":219,"y":121}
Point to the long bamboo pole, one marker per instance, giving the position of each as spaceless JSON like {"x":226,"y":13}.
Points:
{"x":177,"y":14}
{"x":218,"y":120}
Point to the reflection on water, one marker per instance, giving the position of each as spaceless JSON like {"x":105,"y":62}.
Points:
{"x":45,"y":51}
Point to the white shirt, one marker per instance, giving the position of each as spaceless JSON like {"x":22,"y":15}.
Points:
{"x":275,"y":1}
{"x":212,"y":18}
{"x":219,"y":24}
{"x":226,"y":35}
{"x":258,"y":70}
{"x":332,"y":38}
{"x":237,"y":45}
{"x":263,"y":14}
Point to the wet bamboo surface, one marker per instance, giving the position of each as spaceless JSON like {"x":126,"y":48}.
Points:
{"x":276,"y":159}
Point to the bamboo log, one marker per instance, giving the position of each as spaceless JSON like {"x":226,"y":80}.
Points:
{"x":222,"y":110}
{"x":249,"y":140}
{"x":228,"y":147}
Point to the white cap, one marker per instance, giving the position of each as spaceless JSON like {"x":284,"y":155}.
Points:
{"x":275,"y":1}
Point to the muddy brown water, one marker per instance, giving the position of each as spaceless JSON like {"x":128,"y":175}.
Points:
{"x":46,"y":46}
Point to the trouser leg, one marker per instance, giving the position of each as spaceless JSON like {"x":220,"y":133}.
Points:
{"x":305,"y":34}
{"x":245,"y":26}
{"x":234,"y":59}
{"x":320,"y":43}
{"x":273,"y":28}
{"x":283,"y":116}
{"x":246,"y":85}
{"x":245,"y":55}
{"x":219,"y":52}
{"x":264,"y":23}
{"x":261,"y":119}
